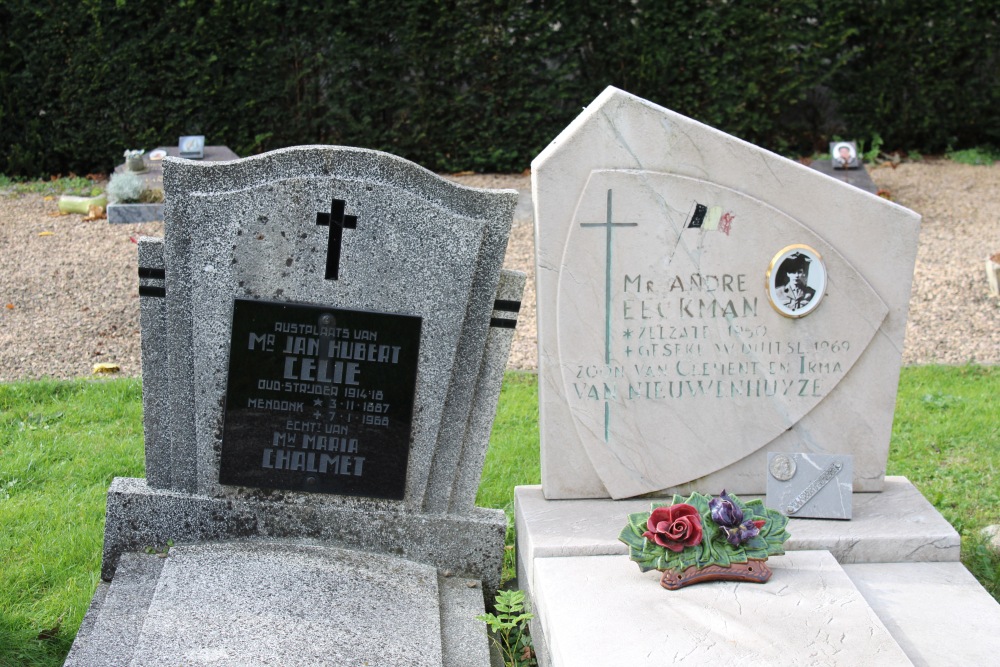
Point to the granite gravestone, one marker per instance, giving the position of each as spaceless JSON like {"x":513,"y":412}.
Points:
{"x":702,"y":302}
{"x":702,"y":305}
{"x":324,"y":334}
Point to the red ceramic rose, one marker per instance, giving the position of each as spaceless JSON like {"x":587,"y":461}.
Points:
{"x":674,"y":527}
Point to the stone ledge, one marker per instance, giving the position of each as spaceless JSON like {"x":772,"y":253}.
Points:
{"x":134,"y":213}
{"x":938,"y":612}
{"x":897,"y":525}
{"x":137,"y":516}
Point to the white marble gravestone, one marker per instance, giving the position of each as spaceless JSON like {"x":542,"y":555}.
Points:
{"x":674,"y":350}
{"x":703,"y":303}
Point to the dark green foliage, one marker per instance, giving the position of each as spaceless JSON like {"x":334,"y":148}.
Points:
{"x":922,"y":73}
{"x":481,"y":84}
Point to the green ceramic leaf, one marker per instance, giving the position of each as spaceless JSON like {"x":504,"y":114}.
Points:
{"x":739,"y":555}
{"x":629,"y":537}
{"x":757,"y":506}
{"x":699,"y":502}
{"x":638,"y":521}
{"x":713,"y":549}
{"x":776,"y":534}
{"x":645,"y":559}
{"x":723,"y":557}
{"x":686,"y":559}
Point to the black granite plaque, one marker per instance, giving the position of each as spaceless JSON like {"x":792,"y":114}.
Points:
{"x":319,"y":399}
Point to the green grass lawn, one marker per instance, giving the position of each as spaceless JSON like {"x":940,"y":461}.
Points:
{"x":61,"y":443}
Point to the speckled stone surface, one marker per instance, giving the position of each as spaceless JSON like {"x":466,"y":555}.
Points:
{"x":465,"y":642}
{"x":116,"y":621}
{"x":247,"y":229}
{"x":254,"y":558}
{"x":282,"y":604}
{"x":243,"y":604}
{"x":134,"y":213}
{"x":470,"y":544}
{"x":487,"y":392}
{"x":154,"y":345}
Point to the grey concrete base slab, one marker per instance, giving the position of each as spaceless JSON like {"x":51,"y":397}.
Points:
{"x":115,"y":618}
{"x":243,"y":604}
{"x":937,"y":612}
{"x":897,"y":525}
{"x":138,"y":516}
{"x":601,"y":611}
{"x":859,"y":178}
{"x":134,"y":213}
{"x":464,"y":642}
{"x":282,"y":604}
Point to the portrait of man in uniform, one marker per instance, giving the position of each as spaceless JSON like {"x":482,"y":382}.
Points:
{"x":797,"y":279}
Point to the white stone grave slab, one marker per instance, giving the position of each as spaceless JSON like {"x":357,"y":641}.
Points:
{"x":601,"y":611}
{"x":937,"y":612}
{"x":678,"y":340}
{"x":897,"y":525}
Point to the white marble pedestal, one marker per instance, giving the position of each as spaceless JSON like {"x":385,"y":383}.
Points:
{"x":884,"y":588}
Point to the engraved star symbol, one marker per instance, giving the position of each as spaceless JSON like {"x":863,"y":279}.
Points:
{"x":318,"y":402}
{"x":628,"y":333}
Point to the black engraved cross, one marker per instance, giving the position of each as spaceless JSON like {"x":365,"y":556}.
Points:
{"x":337,"y":222}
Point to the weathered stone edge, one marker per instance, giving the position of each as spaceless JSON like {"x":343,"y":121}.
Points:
{"x":138,"y":516}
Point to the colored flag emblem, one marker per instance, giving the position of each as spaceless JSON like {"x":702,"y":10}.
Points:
{"x":709,"y":219}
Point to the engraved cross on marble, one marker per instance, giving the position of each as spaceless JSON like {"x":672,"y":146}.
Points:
{"x":337,"y":222}
{"x":608,"y":225}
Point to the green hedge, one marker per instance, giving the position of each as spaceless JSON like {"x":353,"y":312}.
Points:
{"x":482,"y":84}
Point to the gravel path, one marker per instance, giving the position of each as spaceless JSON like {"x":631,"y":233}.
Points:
{"x":68,"y":299}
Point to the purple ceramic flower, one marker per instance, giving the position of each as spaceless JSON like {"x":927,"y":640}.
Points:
{"x":745,"y":531}
{"x":729,"y":517}
{"x":724,"y":511}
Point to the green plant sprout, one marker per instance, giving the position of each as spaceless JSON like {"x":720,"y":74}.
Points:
{"x":160,"y":552}
{"x":508,"y":629}
{"x":871,"y":155}
{"x":983,"y":155}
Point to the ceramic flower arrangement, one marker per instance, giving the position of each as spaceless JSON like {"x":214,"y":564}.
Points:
{"x":700,"y":538}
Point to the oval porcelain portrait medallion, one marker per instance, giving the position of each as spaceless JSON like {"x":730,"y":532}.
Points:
{"x":796,"y":281}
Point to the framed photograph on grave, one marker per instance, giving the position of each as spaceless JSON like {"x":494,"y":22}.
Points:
{"x":192,"y":147}
{"x":796,"y":280}
{"x":844,"y":155}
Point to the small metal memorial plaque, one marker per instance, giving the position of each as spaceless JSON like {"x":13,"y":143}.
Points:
{"x":319,"y":399}
{"x":817,"y":486}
